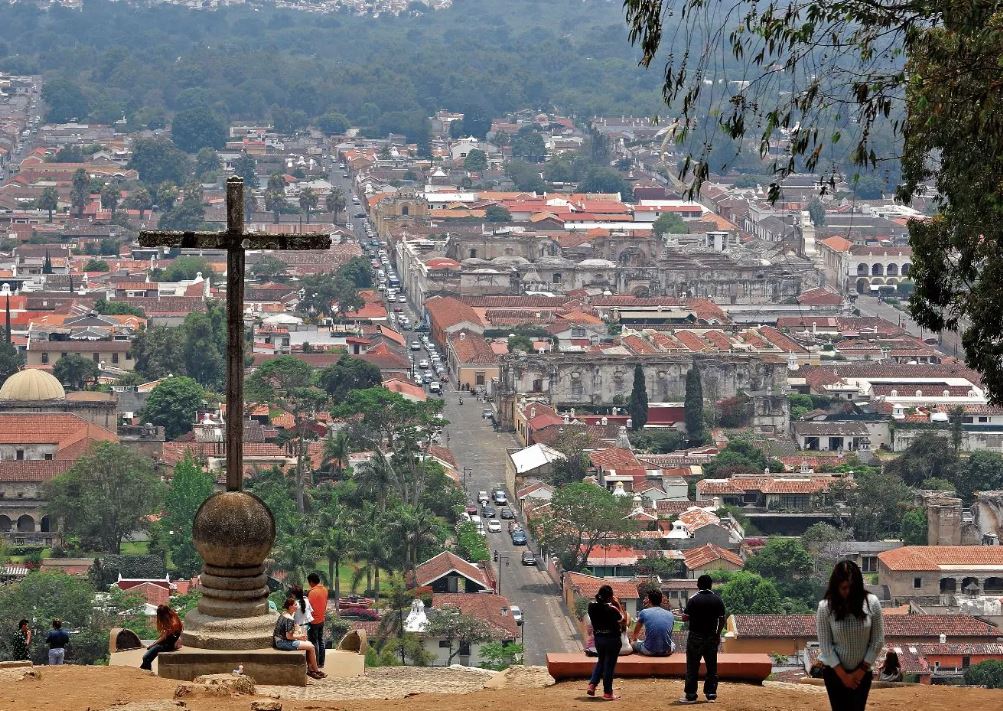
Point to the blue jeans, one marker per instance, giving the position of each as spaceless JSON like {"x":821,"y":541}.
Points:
{"x":608,"y":650}
{"x":842,"y":698}
{"x":315,"y":635}
{"x":156,"y":648}
{"x":57,"y":655}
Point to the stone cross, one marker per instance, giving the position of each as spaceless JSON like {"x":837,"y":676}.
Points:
{"x":235,"y":241}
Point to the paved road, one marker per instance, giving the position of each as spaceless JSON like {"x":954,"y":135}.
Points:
{"x":482,"y":451}
{"x":950,"y":342}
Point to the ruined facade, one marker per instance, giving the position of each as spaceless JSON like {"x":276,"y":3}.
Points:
{"x":591,"y":379}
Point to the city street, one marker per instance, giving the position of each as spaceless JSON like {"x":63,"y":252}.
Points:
{"x":950,"y":342}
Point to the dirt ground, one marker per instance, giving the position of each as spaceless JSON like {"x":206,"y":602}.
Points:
{"x":71,"y":688}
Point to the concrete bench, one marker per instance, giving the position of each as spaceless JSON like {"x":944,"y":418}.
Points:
{"x":265,"y":666}
{"x":753,"y":668}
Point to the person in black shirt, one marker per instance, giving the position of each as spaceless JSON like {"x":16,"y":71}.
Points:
{"x":57,"y":639}
{"x":607,"y":618}
{"x":706,"y":616}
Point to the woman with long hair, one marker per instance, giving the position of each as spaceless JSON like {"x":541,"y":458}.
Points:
{"x":850,"y":635}
{"x":608,"y":619}
{"x":288,"y":639}
{"x":169,"y":626}
{"x":22,"y":641}
{"x":304,"y":610}
{"x":891,"y":669}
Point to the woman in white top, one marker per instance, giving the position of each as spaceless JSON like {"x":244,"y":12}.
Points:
{"x":850,"y":635}
{"x":303,"y":615}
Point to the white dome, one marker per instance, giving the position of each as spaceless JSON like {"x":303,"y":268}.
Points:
{"x":31,"y":385}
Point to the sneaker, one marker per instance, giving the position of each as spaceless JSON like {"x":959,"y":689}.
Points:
{"x":591,"y":691}
{"x":610,"y":697}
{"x":711,"y":698}
{"x":687,"y":700}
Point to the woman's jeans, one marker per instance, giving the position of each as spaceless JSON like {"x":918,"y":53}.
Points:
{"x":608,"y":649}
{"x":168,"y":645}
{"x":843,"y":699}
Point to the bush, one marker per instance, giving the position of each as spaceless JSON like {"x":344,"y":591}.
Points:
{"x":988,"y":674}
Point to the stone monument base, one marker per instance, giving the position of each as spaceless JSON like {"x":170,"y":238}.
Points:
{"x":265,"y":666}
{"x":218,"y":633}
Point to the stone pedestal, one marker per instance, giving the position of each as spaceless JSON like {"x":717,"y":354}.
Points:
{"x":233,"y":532}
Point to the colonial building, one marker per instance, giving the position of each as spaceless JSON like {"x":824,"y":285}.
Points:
{"x":939,"y":574}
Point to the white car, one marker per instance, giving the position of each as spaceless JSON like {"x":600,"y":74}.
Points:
{"x":423,"y":364}
{"x":494,"y":526}
{"x":415,"y":346}
{"x":434,"y":387}
{"x":401,"y":299}
{"x":482,"y":497}
{"x":516,"y":613}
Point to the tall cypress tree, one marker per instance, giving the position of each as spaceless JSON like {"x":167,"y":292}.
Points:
{"x":47,"y":264}
{"x":693,"y":404}
{"x":638,"y":404}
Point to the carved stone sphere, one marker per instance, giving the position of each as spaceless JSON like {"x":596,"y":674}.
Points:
{"x":233,"y":529}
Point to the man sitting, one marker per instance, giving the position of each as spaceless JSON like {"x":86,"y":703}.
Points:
{"x":657,"y":623}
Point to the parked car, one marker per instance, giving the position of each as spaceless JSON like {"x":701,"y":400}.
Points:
{"x":516,"y":613}
{"x":482,"y":497}
{"x":528,"y":558}
{"x":500,"y":497}
{"x":423,"y":363}
{"x":489,"y":511}
{"x":487,"y":413}
{"x":519,"y":537}
{"x":507,"y":513}
{"x":401,"y":299}
{"x":427,"y":378}
{"x":494,"y":526}
{"x":471,"y":508}
{"x":415,"y":346}
{"x":434,"y":387}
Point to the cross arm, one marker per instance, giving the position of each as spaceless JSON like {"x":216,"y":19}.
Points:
{"x":224,"y":240}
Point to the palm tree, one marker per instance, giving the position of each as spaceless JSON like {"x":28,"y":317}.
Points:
{"x":371,"y":545}
{"x":295,"y":555}
{"x":335,"y":202}
{"x":308,"y":201}
{"x":335,"y":539}
{"x":375,"y":478}
{"x":336,"y":451}
{"x":416,"y":526}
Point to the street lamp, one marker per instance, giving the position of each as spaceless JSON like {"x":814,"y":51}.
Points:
{"x":466,"y":476}
{"x":498,"y":559}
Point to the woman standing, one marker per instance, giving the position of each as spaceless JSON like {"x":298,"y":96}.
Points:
{"x":287,"y":640}
{"x":169,"y":626}
{"x":304,"y":610}
{"x":22,"y":641}
{"x":850,"y":634}
{"x":607,"y":623}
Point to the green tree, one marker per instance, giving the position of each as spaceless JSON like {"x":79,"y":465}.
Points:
{"x":174,"y":403}
{"x":66,"y":101}
{"x":334,"y":536}
{"x":159,"y":351}
{"x":205,"y":347}
{"x":669,"y":223}
{"x":335,"y":202}
{"x":48,"y":201}
{"x":190,"y":486}
{"x":333,"y":123}
{"x":497,"y":213}
{"x":158,"y":161}
{"x":357,"y":271}
{"x":914,"y":528}
{"x":582,"y":516}
{"x":637,"y":406}
{"x":693,"y":408}
{"x":75,"y":371}
{"x":189,"y":214}
{"x":275,"y":195}
{"x":187,"y":267}
{"x":525,"y":176}
{"x":988,"y":674}
{"x":519,"y":342}
{"x":928,"y":456}
{"x":449,"y":624}
{"x":602,"y":179}
{"x":80,"y":192}
{"x":110,"y":195}
{"x":789,"y":565}
{"x":96,"y":265}
{"x":824,"y":542}
{"x":337,"y":447}
{"x":475,"y":161}
{"x":308,"y":202}
{"x":105,"y":495}
{"x":749,"y":594}
{"x":247,"y":168}
{"x":741,"y":456}
{"x":328,"y":295}
{"x":348,"y":374}
{"x":11,"y":359}
{"x":138,"y":199}
{"x":982,"y":472}
{"x":529,"y":144}
{"x":500,"y":655}
{"x":875,"y":504}
{"x":207,"y":163}
{"x":268,"y":267}
{"x":470,"y":544}
{"x":197,"y":128}
{"x":816,"y":210}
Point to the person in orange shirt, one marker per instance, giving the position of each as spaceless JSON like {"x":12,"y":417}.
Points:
{"x":318,"y":601}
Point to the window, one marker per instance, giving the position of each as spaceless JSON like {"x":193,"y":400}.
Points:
{"x":869,"y":563}
{"x":96,"y":357}
{"x":966,"y":662}
{"x":917,"y":583}
{"x":556,"y":278}
{"x":538,"y":385}
{"x":19,"y":455}
{"x":45,"y":358}
{"x":405,"y":211}
{"x":479,"y":379}
{"x":473,"y":254}
{"x":464,"y":649}
{"x":48,"y":457}
{"x":128,"y":355}
{"x":114,"y":357}
{"x":443,"y":644}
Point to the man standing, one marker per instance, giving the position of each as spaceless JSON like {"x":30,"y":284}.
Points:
{"x":318,"y":601}
{"x":57,"y":639}
{"x":657,"y":623}
{"x":706,"y":615}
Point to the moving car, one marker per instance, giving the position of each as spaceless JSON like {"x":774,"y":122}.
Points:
{"x":494,"y":526}
{"x":434,"y":387}
{"x":402,"y":299}
{"x":423,"y":363}
{"x":488,"y":512}
{"x":507,"y":513}
{"x":528,"y":558}
{"x":500,"y":497}
{"x":519,"y":537}
{"x":471,"y":508}
{"x":487,"y":413}
{"x":415,"y":346}
{"x":482,"y":497}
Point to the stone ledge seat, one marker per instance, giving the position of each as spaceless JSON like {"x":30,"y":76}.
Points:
{"x":265,"y":666}
{"x":752,"y":668}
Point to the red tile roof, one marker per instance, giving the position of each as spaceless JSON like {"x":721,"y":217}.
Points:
{"x":704,"y":555}
{"x":445,"y":311}
{"x":446,"y":562}
{"x":896,"y":626}
{"x":472,"y":349}
{"x":67,"y":432}
{"x":493,"y":609}
{"x":33,"y":470}
{"x":614,"y":458}
{"x":588,"y":585}
{"x":909,"y":558}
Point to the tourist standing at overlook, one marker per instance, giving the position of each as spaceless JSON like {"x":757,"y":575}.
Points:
{"x":607,"y":618}
{"x":706,"y":616}
{"x":169,"y":626}
{"x":22,"y":641}
{"x":850,"y":634}
{"x":57,"y":639}
{"x":318,"y":601}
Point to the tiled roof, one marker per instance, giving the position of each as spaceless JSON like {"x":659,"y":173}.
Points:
{"x":167,"y":305}
{"x":614,"y":458}
{"x":612,"y":555}
{"x":38,"y":470}
{"x":587,"y":586}
{"x":704,"y":555}
{"x":63,"y":430}
{"x":445,"y":311}
{"x":695,"y":518}
{"x":932,"y":557}
{"x":896,"y":626}
{"x":446,"y":562}
{"x":493,"y":609}
{"x":472,"y":349}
